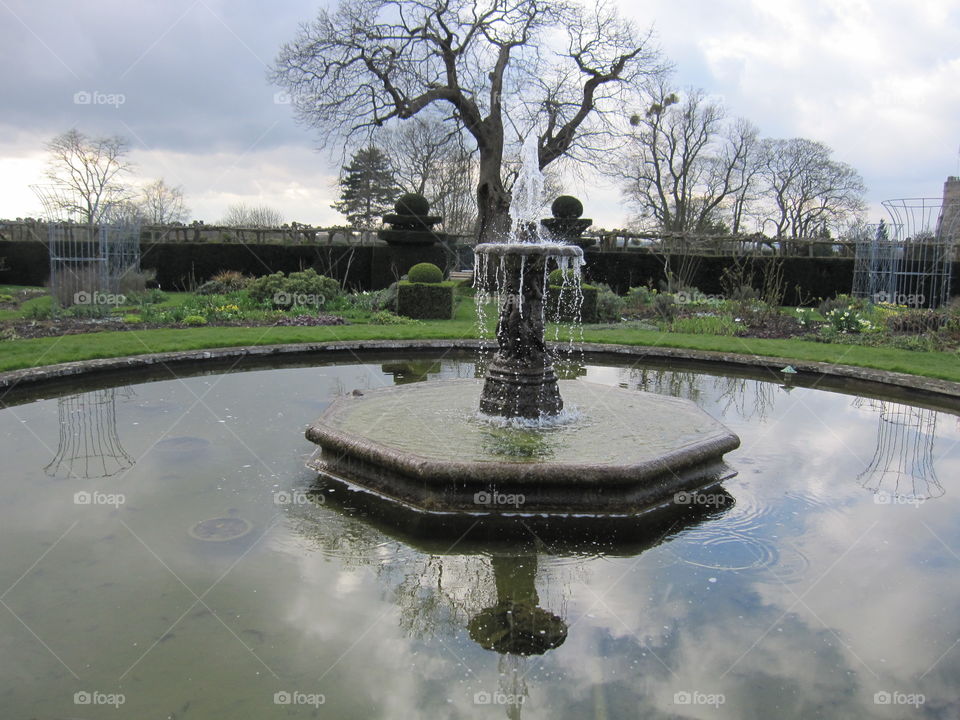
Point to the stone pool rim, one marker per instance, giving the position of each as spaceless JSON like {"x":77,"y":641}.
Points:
{"x":937,"y":389}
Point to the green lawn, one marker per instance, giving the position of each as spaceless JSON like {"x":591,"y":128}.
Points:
{"x":46,"y":351}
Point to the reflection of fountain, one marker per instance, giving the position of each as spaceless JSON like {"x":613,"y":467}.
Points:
{"x":424,"y":445}
{"x":446,"y":585}
{"x":517,"y":624}
{"x":902,"y":463}
{"x":89,"y":445}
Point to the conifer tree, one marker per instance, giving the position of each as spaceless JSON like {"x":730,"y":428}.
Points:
{"x":367,"y":188}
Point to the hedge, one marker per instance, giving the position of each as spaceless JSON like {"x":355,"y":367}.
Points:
{"x":426,"y":301}
{"x":180,"y":266}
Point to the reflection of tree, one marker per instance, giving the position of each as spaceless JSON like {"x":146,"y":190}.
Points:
{"x":410,"y":371}
{"x":89,"y":446}
{"x":733,"y":393}
{"x":665,"y":382}
{"x":902,"y":463}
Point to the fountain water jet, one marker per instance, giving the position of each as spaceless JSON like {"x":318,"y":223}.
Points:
{"x":520,"y":381}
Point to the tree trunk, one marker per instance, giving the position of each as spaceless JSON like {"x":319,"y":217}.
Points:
{"x":493,"y":201}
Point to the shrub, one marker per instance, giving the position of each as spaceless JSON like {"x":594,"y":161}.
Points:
{"x":917,"y":322}
{"x":425,"y":273}
{"x":666,"y":307}
{"x":556,"y":276}
{"x":848,"y":321}
{"x":132,"y":319}
{"x":640,"y":296}
{"x":194,"y":320}
{"x":385,"y":317}
{"x":840,"y":302}
{"x":412,"y":204}
{"x":6,"y":299}
{"x":225,"y":281}
{"x":609,"y":307}
{"x":566,"y":206}
{"x":299,"y":288}
{"x":562,"y":304}
{"x":423,"y":301}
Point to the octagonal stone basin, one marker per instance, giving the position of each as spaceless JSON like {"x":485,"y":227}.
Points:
{"x":615,"y":452}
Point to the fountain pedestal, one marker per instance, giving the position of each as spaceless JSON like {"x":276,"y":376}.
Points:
{"x":520,"y":380}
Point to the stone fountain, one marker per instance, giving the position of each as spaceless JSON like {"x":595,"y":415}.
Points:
{"x":506,"y":444}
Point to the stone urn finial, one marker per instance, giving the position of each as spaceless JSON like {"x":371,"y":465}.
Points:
{"x":411,"y":223}
{"x":566,"y":225}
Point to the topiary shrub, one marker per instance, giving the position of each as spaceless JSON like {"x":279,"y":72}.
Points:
{"x":412,"y":204}
{"x":425,"y":300}
{"x":562,"y":304}
{"x":425,"y":273}
{"x":556,"y":276}
{"x":566,"y":207}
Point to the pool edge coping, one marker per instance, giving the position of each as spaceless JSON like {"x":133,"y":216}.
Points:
{"x":38,"y":375}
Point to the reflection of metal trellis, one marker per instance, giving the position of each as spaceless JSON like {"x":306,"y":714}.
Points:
{"x":902,"y":464}
{"x":89,"y":445}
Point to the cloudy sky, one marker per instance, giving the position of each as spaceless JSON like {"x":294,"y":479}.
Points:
{"x":185,"y":82}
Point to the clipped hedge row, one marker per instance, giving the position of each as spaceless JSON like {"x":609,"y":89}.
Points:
{"x":816,"y":277}
{"x":561,"y":306}
{"x":425,"y":301}
{"x":180,"y":266}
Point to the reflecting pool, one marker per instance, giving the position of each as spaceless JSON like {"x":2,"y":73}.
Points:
{"x":166,"y":554}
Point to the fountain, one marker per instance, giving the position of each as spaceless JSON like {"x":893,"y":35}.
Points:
{"x":610,"y":452}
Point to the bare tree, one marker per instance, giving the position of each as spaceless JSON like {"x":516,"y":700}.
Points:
{"x":808,"y":193}
{"x":258,"y":216}
{"x":554,"y":62}
{"x":86,"y":174}
{"x":161,"y":204}
{"x":685,"y":163}
{"x":743,"y":155}
{"x":430,"y":157}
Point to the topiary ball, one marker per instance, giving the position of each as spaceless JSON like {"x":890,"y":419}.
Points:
{"x":412,"y":204}
{"x":567,"y":207}
{"x":555,"y":277}
{"x":425,"y":273}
